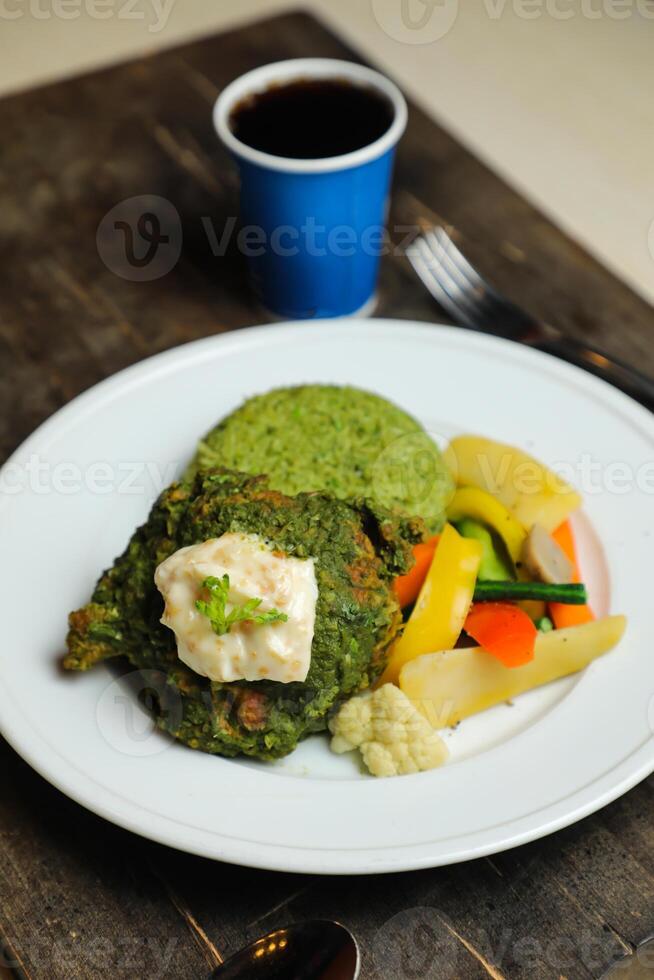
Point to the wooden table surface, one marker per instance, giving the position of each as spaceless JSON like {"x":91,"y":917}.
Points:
{"x":82,"y":898}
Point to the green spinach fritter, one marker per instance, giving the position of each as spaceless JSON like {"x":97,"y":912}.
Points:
{"x":346,"y":441}
{"x":357,"y":548}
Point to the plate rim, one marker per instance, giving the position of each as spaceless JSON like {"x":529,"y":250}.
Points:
{"x":391,"y":859}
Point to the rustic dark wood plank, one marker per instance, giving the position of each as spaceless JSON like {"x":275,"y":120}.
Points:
{"x":566,"y":906}
{"x":77,"y":898}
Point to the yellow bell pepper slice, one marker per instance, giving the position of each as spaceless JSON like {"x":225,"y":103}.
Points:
{"x":442,"y":605}
{"x":532,"y":493}
{"x":483,"y":507}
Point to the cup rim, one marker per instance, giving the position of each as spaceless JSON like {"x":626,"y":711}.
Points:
{"x":259,"y":78}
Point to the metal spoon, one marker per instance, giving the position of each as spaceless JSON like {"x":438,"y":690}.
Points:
{"x":318,"y":950}
{"x":639,"y":965}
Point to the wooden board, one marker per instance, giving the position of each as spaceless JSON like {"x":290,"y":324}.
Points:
{"x":80,"y":898}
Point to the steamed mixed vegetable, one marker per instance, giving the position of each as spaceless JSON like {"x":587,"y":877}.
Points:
{"x":504,"y":575}
{"x":494,"y":604}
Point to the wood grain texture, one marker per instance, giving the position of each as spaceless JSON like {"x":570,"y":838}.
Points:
{"x":79,"y":898}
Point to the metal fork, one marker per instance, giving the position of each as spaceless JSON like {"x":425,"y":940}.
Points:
{"x":473,"y":303}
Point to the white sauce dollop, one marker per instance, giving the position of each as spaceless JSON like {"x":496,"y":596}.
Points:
{"x":274,"y":651}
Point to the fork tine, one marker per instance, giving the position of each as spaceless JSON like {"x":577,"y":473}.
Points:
{"x":489,"y":309}
{"x":494,"y":302}
{"x":453,"y":251}
{"x":477,"y":292}
{"x":433,"y":285}
{"x":460,"y":293}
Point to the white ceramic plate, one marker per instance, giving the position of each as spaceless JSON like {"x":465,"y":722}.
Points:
{"x":73,"y":493}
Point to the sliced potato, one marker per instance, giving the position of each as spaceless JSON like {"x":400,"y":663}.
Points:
{"x":454,"y":684}
{"x":533,"y":493}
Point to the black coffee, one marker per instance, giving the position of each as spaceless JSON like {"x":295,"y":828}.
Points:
{"x":309,"y":119}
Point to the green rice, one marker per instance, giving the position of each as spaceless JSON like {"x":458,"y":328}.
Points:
{"x":349,"y":442}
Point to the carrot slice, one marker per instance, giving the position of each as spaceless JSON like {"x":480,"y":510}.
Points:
{"x":563,"y":615}
{"x":504,"y":630}
{"x":408,"y":586}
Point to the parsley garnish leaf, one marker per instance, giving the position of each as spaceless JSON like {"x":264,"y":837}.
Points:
{"x":216,"y":608}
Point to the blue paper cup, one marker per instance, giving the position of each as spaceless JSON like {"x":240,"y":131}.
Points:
{"x":313,"y":230}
